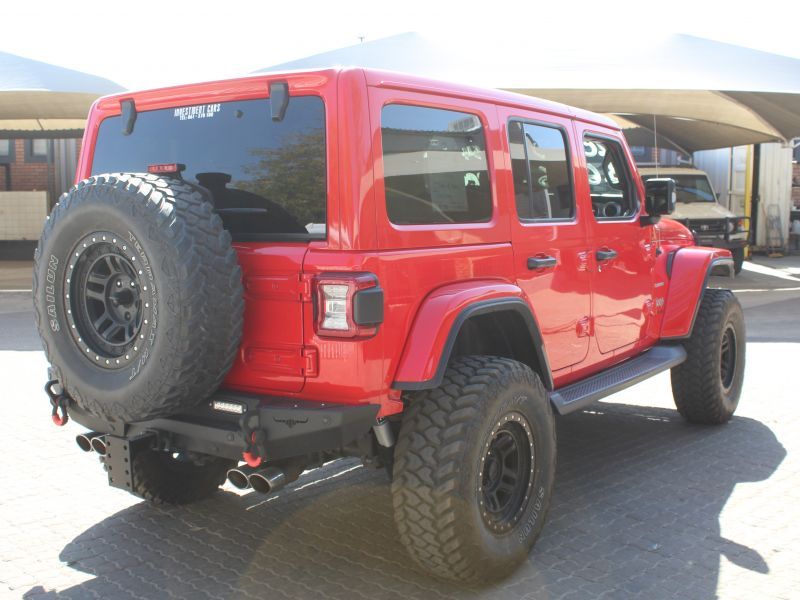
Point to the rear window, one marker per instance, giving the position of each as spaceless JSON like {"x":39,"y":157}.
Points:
{"x":267,"y":178}
{"x":434,"y":164}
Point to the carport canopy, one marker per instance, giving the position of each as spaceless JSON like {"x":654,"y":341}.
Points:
{"x":703,"y":94}
{"x":43,"y":100}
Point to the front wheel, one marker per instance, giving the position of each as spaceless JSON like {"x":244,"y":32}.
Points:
{"x":706,"y":387}
{"x":474,"y":469}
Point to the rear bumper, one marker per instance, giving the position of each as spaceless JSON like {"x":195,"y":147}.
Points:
{"x":284,"y":427}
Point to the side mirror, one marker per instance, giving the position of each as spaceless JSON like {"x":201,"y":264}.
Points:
{"x":659,"y":199}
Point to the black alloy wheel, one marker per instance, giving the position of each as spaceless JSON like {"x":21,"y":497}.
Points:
{"x":507,"y":475}
{"x":108,"y":300}
{"x":727,"y":359}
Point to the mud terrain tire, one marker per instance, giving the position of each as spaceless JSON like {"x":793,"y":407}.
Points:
{"x":138,"y":296}
{"x":706,"y":387}
{"x":489,"y":422}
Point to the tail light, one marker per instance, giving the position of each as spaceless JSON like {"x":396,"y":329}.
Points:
{"x":348,"y":305}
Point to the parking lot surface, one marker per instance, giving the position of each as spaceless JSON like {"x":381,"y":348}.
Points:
{"x":646,"y":506}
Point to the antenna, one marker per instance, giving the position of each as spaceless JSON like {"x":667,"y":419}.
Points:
{"x":655,"y":142}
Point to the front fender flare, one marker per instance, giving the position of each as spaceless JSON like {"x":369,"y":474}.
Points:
{"x":437,"y":324}
{"x":689,"y":270}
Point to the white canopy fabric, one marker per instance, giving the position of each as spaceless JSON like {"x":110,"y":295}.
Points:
{"x":704,"y":94}
{"x":38,"y":98}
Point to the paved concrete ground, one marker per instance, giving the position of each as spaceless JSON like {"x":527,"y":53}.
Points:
{"x":645,"y":505}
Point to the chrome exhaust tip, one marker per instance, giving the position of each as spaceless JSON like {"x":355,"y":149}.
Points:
{"x":267,"y":480}
{"x":84,"y":440}
{"x":238,"y":477}
{"x":99,"y":445}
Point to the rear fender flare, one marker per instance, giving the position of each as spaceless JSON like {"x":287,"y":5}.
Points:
{"x":688,"y":270}
{"x":430,"y":342}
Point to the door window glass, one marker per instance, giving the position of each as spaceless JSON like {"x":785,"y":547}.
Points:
{"x":610,"y":185}
{"x":542,"y":185}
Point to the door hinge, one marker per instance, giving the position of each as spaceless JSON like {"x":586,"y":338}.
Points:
{"x":311,"y":361}
{"x":584,"y":327}
{"x":305,"y":287}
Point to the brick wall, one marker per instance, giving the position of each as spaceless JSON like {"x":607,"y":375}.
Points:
{"x":796,"y":185}
{"x":26,"y":176}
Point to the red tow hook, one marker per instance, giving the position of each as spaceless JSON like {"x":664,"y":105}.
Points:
{"x":59,"y":402}
{"x":251,"y":458}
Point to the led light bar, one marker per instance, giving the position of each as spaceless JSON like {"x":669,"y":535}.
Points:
{"x":234,"y":408}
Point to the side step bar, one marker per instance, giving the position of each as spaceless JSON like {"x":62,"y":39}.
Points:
{"x":579,"y":395}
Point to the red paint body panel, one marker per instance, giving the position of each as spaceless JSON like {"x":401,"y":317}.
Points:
{"x":590,"y":318}
{"x":435,"y":318}
{"x":689,"y":273}
{"x":672,"y":233}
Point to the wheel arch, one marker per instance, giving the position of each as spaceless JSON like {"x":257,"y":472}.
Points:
{"x":501,"y":325}
{"x":688,"y":270}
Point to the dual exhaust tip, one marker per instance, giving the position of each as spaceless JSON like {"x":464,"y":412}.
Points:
{"x":263,"y":480}
{"x":92,"y":440}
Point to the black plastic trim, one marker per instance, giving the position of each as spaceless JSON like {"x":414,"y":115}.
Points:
{"x":670,"y":261}
{"x":582,"y":393}
{"x":368,"y":306}
{"x":278,"y":99}
{"x":129,"y":114}
{"x":473,"y":310}
{"x":542,"y":262}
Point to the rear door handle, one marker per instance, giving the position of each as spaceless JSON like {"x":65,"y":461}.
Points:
{"x":541,"y":262}
{"x":606,"y":254}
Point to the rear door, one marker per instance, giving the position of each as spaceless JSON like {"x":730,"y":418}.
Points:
{"x":549,"y":233}
{"x":623,"y":251}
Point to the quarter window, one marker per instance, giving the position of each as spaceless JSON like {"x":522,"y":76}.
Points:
{"x":610,"y":185}
{"x":541,"y":171}
{"x":435,"y":168}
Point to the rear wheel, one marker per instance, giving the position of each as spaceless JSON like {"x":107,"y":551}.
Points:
{"x":707,"y":386}
{"x":474,"y":469}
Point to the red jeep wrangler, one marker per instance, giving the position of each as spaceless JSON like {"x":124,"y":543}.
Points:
{"x":286,"y":269}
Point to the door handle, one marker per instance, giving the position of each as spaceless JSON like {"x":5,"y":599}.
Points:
{"x":606,"y":254}
{"x":541,"y":262}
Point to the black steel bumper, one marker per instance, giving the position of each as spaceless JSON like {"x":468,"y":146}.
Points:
{"x":706,"y":235}
{"x":279,"y":427}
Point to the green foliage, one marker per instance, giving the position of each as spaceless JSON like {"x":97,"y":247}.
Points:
{"x":293,"y":175}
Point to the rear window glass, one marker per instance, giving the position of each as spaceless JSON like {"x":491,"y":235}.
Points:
{"x":542,"y":186}
{"x":267,"y":178}
{"x":434,"y":164}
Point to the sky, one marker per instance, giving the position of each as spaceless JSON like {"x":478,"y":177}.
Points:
{"x":151,"y":43}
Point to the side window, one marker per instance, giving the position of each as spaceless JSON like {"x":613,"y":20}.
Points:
{"x":541,"y":171}
{"x":610,"y":185}
{"x":435,"y":168}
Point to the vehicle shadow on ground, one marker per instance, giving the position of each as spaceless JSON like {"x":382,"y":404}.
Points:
{"x":635,"y":513}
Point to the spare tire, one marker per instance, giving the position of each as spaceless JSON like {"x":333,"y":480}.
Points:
{"x":138,"y":296}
